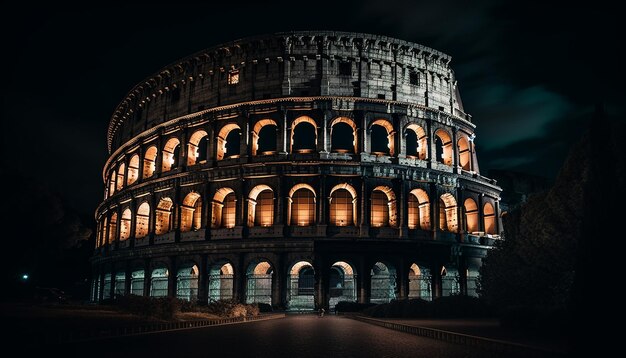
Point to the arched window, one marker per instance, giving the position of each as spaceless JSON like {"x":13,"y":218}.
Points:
{"x":187,"y":282}
{"x":302,"y":205}
{"x":163,"y":216}
{"x":223,"y":213}
{"x":416,"y":142}
{"x":383,"y":283}
{"x":228,"y":141}
{"x":343,"y":134}
{"x":383,"y":207}
{"x":264,"y":137}
{"x":259,"y":283}
{"x":112,"y":228}
{"x":443,"y":143}
{"x":448,"y":213}
{"x":120,"y":177}
{"x":127,"y":216}
{"x":471,"y":215}
{"x":220,"y":281}
{"x":171,"y":152}
{"x":261,"y":206}
{"x":141,"y":221}
{"x":343,"y":205}
{"x":158,"y":282}
{"x":303,"y":135}
{"x":197,"y":147}
{"x":112,"y":185}
{"x":191,"y":212}
{"x":149,"y":162}
{"x":133,"y":169}
{"x":382,"y":134}
{"x":419,"y":210}
{"x":419,"y":282}
{"x":465,"y":156}
{"x":489,"y":216}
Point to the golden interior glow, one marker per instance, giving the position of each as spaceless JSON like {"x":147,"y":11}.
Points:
{"x":149,"y":162}
{"x":303,"y":207}
{"x":163,"y":216}
{"x":464,"y":153}
{"x":446,"y":154}
{"x":133,"y":169}
{"x":168,"y":154}
{"x":125,"y":224}
{"x":471,"y":215}
{"x":379,"y":209}
{"x":142,"y":220}
{"x":419,"y":210}
{"x":228,"y":211}
{"x":489,"y":218}
{"x":341,"y":208}
{"x":448,"y":213}
{"x":191,"y":212}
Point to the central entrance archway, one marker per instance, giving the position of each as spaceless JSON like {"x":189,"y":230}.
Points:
{"x":342,"y":284}
{"x":259,"y":283}
{"x":301,"y":287}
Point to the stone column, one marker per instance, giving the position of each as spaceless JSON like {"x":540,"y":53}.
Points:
{"x":278,"y":278}
{"x":365,"y":207}
{"x":365,"y":282}
{"x":152,"y":218}
{"x":128,"y":275}
{"x":403,"y":210}
{"x":203,"y":282}
{"x":183,"y":152}
{"x":172,"y":277}
{"x":240,"y":279}
{"x":402,"y":280}
{"x":455,"y":152}
{"x":434,"y":209}
{"x":147,"y":278}
{"x":283,"y":138}
{"x":133,"y":222}
{"x":436,"y":281}
{"x":324,"y":147}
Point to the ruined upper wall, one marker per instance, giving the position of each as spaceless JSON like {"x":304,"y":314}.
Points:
{"x":289,"y":64}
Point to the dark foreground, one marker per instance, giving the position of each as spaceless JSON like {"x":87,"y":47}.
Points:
{"x":293,"y":336}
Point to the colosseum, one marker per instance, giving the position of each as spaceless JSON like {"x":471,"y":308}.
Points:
{"x":297,"y":169}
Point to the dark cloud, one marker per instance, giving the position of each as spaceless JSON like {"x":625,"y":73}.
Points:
{"x":528,"y":72}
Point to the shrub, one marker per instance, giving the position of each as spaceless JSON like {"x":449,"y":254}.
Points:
{"x":347,"y":306}
{"x":157,"y":307}
{"x":231,"y":308}
{"x":443,"y":307}
{"x":264,"y":307}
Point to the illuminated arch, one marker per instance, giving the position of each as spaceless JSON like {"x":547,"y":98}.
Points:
{"x":294,"y":124}
{"x":448,"y":213}
{"x":489,"y":217}
{"x":149,"y":162}
{"x":342,"y":283}
{"x":256,"y":135}
{"x":471,"y":215}
{"x":259,"y":282}
{"x":390,"y":134}
{"x":443,"y":146}
{"x":142,"y":220}
{"x":419,"y":210}
{"x":334,"y":134}
{"x":187,"y":282}
{"x":419,"y":282}
{"x":261,"y":206}
{"x":383,"y":207}
{"x":170,"y":154}
{"x":191,"y":212}
{"x":194,"y":154}
{"x":419,"y":148}
{"x":221,"y":274}
{"x":112,"y":233}
{"x":133,"y":169}
{"x":119,"y":182}
{"x":158,"y":282}
{"x":465,"y":155}
{"x":301,"y":286}
{"x":163,"y":222}
{"x":301,"y":205}
{"x":343,"y":205}
{"x":112,"y":186}
{"x":223,"y":209}
{"x":221,"y":139}
{"x":125,"y":223}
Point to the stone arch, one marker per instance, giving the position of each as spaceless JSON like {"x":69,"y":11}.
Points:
{"x":343,"y":205}
{"x":259,"y":282}
{"x":163,"y":223}
{"x":112,"y":233}
{"x":443,"y":146}
{"x":222,"y":136}
{"x":223,"y":208}
{"x":301,"y":286}
{"x":390,"y":132}
{"x":171,"y":153}
{"x":197,"y":147}
{"x":450,"y":281}
{"x":448,"y":213}
{"x":221,"y":274}
{"x":261,"y":206}
{"x":142,"y":220}
{"x":419,"y":210}
{"x":187,"y":282}
{"x":489,"y":218}
{"x":383,"y":283}
{"x":339,"y":127}
{"x":465,"y":154}
{"x":133,"y":169}
{"x":263,"y":142}
{"x":307,"y":141}
{"x":137,"y":278}
{"x":159,"y":277}
{"x":416,"y":141}
{"x":119,"y":181}
{"x":191,"y":212}
{"x":472,"y":274}
{"x":112,"y":180}
{"x":125,"y":224}
{"x":341,"y":283}
{"x":470,"y":210}
{"x":149,"y":162}
{"x":119,"y":285}
{"x":383,"y":207}
{"x":420,"y":282}
{"x":301,"y":205}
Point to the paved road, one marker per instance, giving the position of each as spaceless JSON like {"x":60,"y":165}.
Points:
{"x":293,"y":336}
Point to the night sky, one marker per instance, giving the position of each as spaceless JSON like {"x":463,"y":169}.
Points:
{"x":529,"y":75}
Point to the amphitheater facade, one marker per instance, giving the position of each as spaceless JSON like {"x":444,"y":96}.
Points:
{"x":297,"y":169}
